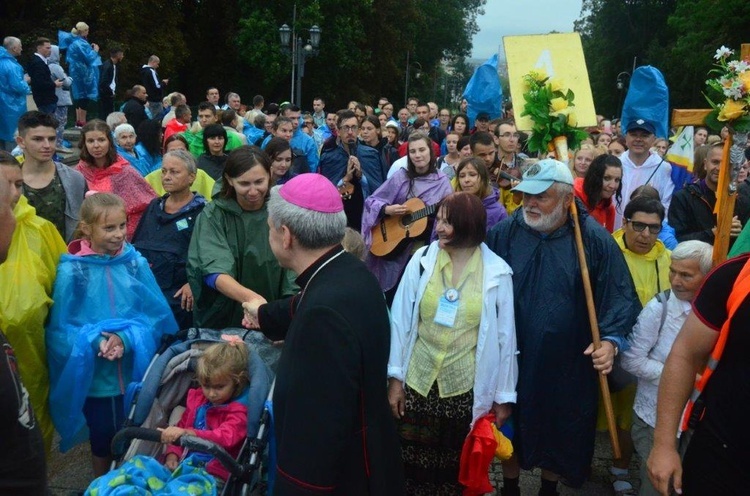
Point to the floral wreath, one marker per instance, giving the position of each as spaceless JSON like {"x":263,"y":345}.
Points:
{"x":732,"y":85}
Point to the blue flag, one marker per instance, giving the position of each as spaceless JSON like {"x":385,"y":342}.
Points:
{"x":483,"y":92}
{"x":648,"y":99}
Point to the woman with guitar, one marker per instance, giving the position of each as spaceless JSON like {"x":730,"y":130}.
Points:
{"x":396,"y":220}
{"x":453,"y":346}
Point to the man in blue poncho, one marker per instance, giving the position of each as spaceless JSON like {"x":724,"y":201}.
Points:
{"x":557,"y":385}
{"x":13,"y":90}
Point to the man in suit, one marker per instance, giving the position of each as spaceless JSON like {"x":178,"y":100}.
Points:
{"x":42,"y":85}
{"x":108,"y":82}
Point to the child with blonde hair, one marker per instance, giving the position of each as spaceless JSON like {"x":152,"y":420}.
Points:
{"x":106,"y":322}
{"x":217,"y":410}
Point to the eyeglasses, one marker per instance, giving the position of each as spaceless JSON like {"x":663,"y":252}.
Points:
{"x":640,"y":226}
{"x":349,"y":129}
{"x":510,"y":135}
{"x":445,"y":115}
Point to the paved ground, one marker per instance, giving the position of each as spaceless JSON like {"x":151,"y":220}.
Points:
{"x":70,"y":473}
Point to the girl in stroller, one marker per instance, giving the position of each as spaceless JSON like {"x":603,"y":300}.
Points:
{"x":217,"y":411}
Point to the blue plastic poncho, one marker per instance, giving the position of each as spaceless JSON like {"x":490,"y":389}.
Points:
{"x":251,"y":132}
{"x":139,"y":163}
{"x":83,"y":65}
{"x":483,"y":92}
{"x":13,"y":94}
{"x":93,"y":294}
{"x":648,"y":98}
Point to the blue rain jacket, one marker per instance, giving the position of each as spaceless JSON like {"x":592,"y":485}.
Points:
{"x":83,"y":65}
{"x":93,"y":294}
{"x":12,"y":95}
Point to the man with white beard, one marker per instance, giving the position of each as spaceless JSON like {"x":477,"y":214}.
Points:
{"x":555,"y":415}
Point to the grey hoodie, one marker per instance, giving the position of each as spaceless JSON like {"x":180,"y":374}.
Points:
{"x":63,"y":93}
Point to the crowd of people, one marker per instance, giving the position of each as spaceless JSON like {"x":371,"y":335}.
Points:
{"x":466,"y":301}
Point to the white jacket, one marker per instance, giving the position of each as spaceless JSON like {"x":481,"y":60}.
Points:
{"x":496,"y":365}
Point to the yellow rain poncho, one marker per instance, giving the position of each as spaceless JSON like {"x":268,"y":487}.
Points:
{"x":27,"y":277}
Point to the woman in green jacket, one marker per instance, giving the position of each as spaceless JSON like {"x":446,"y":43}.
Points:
{"x":229,"y":259}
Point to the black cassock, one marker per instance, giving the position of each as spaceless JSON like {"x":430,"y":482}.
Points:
{"x":334,"y":430}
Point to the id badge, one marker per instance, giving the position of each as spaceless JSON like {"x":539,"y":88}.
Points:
{"x":182,"y":224}
{"x":446,"y":312}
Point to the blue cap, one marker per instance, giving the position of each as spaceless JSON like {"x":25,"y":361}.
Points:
{"x":641,"y":124}
{"x":543,"y":174}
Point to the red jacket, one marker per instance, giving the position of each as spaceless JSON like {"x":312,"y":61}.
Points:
{"x":604,"y":212}
{"x":174,"y":127}
{"x":403,"y":149}
{"x":226,"y":425}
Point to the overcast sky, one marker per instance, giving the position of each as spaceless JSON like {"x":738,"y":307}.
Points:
{"x":513,"y":17}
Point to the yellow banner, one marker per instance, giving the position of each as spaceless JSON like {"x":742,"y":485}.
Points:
{"x":560,"y":56}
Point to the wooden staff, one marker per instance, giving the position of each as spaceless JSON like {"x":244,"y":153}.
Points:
{"x":603,"y":385}
{"x":725,"y":199}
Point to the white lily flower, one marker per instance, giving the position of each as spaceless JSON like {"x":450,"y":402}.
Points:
{"x":723,"y":52}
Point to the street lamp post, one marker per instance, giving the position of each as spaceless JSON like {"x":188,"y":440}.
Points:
{"x":622,"y":84}
{"x":301,"y":51}
{"x":417,"y":70}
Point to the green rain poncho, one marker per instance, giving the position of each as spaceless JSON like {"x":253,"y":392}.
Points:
{"x":228,"y":240}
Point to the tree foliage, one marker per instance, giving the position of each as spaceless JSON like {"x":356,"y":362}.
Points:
{"x":617,"y":35}
{"x":700,"y":27}
{"x":234,"y":44}
{"x":679,"y":37}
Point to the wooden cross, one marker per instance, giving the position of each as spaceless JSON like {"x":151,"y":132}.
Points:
{"x":726,"y":196}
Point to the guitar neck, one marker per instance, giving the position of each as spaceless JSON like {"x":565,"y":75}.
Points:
{"x":424,"y":212}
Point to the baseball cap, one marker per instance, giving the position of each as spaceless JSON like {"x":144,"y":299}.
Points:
{"x":641,"y":124}
{"x":483,"y":116}
{"x":540,"y":176}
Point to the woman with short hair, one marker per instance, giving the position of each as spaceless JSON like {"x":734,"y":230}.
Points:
{"x":214,"y":156}
{"x":453,"y":346}
{"x":164,"y":232}
{"x":125,"y":138}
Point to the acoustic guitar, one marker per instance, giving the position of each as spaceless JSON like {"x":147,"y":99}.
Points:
{"x":391,"y":230}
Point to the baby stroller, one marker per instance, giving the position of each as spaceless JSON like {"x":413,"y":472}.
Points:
{"x":165,"y":384}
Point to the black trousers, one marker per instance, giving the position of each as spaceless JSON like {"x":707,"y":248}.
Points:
{"x":711,"y":466}
{"x":106,"y":105}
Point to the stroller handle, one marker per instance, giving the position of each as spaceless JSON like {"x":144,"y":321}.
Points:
{"x":124,"y":436}
{"x":194,"y":443}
